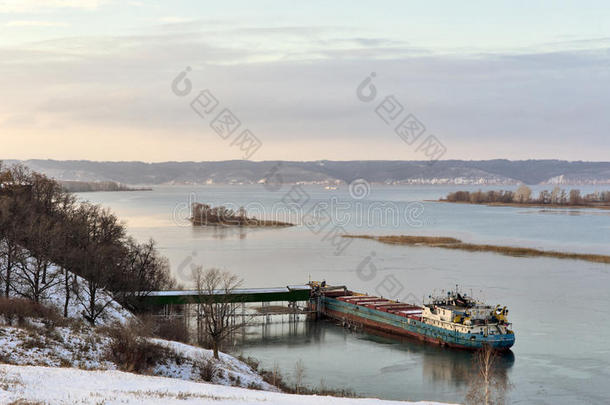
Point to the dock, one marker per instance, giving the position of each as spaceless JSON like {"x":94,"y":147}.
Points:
{"x":291,"y":293}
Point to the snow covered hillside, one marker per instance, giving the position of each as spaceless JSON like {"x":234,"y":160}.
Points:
{"x":48,"y":339}
{"x":72,"y":386}
{"x":55,"y":293}
{"x":84,"y":347}
{"x":47,"y":358}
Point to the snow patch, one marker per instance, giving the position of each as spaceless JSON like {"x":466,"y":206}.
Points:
{"x":70,"y":386}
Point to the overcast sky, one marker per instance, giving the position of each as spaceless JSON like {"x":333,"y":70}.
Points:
{"x":92,"y":79}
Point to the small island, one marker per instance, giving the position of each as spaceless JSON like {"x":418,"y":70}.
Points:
{"x":557,"y":198}
{"x":204,"y":214}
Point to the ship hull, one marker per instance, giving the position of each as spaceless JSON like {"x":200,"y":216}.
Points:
{"x":409,"y":327}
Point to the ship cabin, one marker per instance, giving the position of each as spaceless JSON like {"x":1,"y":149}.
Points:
{"x":465,"y":315}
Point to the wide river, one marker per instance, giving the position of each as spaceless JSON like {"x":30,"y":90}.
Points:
{"x":560,"y":309}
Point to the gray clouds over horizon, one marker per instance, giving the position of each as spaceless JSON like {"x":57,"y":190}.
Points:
{"x":109,"y":98}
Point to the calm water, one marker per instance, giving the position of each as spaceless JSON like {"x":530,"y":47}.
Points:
{"x":560,"y":308}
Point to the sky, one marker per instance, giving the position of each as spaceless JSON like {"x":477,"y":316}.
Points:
{"x":101,"y":80}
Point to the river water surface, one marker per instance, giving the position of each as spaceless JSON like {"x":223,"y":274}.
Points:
{"x":560,"y":309}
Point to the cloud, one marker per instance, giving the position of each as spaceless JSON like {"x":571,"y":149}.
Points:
{"x":27,"y":6}
{"x":35,"y":23}
{"x":174,"y":20}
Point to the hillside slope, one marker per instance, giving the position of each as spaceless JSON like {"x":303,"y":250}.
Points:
{"x":498,"y":171}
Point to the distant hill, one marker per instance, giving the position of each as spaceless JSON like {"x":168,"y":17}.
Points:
{"x":498,"y":171}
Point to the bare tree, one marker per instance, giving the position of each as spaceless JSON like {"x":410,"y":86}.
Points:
{"x":575,"y":197}
{"x":523,"y":194}
{"x":35,"y":274}
{"x":11,"y":255}
{"x":143,"y":271}
{"x":63,"y":254}
{"x":47,"y":238}
{"x":299,"y":375}
{"x":13,"y":215}
{"x":563,"y":197}
{"x":544,"y":197}
{"x":63,"y":240}
{"x":555,"y":195}
{"x":216,"y":312}
{"x":100,"y":254}
{"x":489,"y":384}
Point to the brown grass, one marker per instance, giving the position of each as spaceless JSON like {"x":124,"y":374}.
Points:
{"x":18,"y":310}
{"x":409,"y":239}
{"x":452,"y":243}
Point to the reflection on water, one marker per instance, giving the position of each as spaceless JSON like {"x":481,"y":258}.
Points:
{"x":346,"y":359}
{"x":221,"y":232}
{"x":563,"y":211}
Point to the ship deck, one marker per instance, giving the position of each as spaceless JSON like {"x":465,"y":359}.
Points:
{"x":403,"y":309}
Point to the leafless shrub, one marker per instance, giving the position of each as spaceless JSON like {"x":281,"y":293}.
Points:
{"x":131,"y":351}
{"x":255,"y":386}
{"x":208,"y":369}
{"x":275,"y":374}
{"x":171,"y":329}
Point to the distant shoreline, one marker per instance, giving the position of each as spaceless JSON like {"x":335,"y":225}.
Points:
{"x":456,"y":244}
{"x":97,"y":186}
{"x":113,"y":191}
{"x":527,"y":205}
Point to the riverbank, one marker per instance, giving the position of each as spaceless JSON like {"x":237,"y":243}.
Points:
{"x":457,"y":244}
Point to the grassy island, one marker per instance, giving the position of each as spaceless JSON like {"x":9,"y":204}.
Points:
{"x":453,"y":243}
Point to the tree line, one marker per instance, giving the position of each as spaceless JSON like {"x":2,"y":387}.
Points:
{"x":47,"y":237}
{"x":523,"y":195}
{"x":93,"y":186}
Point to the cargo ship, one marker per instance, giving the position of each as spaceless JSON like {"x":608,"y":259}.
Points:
{"x":453,"y":319}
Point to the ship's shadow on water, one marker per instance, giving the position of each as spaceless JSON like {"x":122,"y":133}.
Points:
{"x":452,"y":365}
{"x":403,"y":357}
